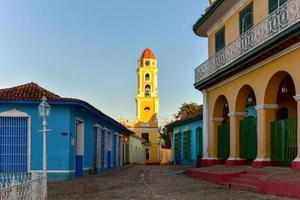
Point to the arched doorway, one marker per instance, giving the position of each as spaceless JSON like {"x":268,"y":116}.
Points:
{"x":283,"y":137}
{"x":245,"y":103}
{"x":221,"y":112}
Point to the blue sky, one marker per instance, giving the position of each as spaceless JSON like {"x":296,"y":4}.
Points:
{"x":89,"y":49}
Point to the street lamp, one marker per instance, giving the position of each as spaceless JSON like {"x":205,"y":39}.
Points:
{"x":44,"y":111}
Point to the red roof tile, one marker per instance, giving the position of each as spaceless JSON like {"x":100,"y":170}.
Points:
{"x":34,"y":92}
{"x":147,"y":54}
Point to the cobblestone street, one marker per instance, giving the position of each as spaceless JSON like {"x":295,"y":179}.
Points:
{"x":145,"y":182}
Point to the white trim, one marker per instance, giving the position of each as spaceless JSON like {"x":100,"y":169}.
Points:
{"x":97,"y":126}
{"x":297,"y":97}
{"x":234,"y":158}
{"x":233,"y":10}
{"x":216,"y":119}
{"x":14,"y":113}
{"x":236,"y":114}
{"x":254,"y":67}
{"x":262,"y":159}
{"x":266,"y":106}
{"x":54,"y":171}
{"x":296,"y":160}
{"x":77,"y":119}
{"x":28,"y":143}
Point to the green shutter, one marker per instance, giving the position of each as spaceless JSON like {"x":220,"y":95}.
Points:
{"x":248,"y":138}
{"x":284,"y":140}
{"x":246,"y":18}
{"x":200,"y":140}
{"x":273,"y":4}
{"x":223,"y":141}
{"x":220,"y":39}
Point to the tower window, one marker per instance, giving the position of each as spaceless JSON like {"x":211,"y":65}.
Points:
{"x":147,"y":77}
{"x":147,"y":109}
{"x":147,"y":63}
{"x":145,"y":136}
{"x":147,"y":90}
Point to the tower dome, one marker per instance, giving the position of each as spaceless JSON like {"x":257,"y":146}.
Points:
{"x":147,"y":54}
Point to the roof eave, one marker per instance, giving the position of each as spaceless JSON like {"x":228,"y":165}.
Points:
{"x":205,"y":16}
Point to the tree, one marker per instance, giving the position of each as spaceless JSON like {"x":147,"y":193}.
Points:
{"x":188,"y":109}
{"x":165,"y":137}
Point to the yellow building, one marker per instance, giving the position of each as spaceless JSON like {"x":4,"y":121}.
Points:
{"x":134,"y":149}
{"x":147,"y":107}
{"x":251,"y":82}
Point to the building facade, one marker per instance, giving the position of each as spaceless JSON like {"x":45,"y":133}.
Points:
{"x":134,"y":149}
{"x":81,"y":139}
{"x":187,"y":140}
{"x":250,"y":83}
{"x":147,"y":107}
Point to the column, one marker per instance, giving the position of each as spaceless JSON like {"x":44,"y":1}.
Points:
{"x":205,"y":125}
{"x":265,"y":115}
{"x":296,"y":162}
{"x":234,"y":158}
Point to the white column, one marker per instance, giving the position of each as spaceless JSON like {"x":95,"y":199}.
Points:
{"x":205,"y":125}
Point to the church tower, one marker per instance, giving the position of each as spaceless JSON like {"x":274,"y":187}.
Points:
{"x":146,"y":125}
{"x":147,"y":99}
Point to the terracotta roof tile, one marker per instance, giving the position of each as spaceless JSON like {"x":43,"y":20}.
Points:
{"x":147,"y":54}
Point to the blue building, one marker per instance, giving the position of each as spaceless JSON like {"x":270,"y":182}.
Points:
{"x":82,"y":139}
{"x":187,"y":140}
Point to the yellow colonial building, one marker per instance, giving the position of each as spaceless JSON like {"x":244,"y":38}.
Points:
{"x":147,"y":107}
{"x":251,"y":82}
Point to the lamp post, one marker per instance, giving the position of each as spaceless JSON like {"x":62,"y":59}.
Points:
{"x":44,"y":111}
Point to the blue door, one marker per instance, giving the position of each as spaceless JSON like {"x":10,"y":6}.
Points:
{"x":108,"y":159}
{"x":13,"y":144}
{"x":95,"y":138}
{"x":102,"y":148}
{"x":79,"y":148}
{"x":115,"y":150}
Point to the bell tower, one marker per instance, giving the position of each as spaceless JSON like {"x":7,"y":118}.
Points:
{"x":147,"y":99}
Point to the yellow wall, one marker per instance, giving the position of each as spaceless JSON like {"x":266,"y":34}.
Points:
{"x":258,"y":79}
{"x":232,"y":24}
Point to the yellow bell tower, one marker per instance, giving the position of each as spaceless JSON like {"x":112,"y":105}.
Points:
{"x":147,"y":100}
{"x":147,"y":107}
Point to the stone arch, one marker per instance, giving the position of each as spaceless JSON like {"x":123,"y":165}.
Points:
{"x":221,"y":108}
{"x":282,"y":120}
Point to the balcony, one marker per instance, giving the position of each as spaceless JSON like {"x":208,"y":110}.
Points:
{"x":277,"y":22}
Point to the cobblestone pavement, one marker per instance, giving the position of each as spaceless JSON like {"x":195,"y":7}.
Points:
{"x":145,"y":182}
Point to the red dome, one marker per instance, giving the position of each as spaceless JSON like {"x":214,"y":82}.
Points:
{"x":147,"y":54}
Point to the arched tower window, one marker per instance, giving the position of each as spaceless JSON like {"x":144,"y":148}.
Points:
{"x":147,"y":77}
{"x":147,"y":90}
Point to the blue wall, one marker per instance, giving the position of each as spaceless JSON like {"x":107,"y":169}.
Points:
{"x":191,"y":125}
{"x":60,"y":150}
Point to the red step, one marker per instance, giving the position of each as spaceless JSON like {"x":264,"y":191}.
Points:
{"x":250,"y":176}
{"x":238,"y":186}
{"x":257,"y":172}
{"x":245,"y":181}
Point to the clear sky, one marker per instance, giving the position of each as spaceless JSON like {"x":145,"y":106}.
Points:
{"x":88,"y":49}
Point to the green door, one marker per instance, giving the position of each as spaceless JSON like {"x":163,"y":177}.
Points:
{"x":200,"y":142}
{"x":284,"y":140}
{"x":186,"y":150}
{"x":248,"y":138}
{"x":223,"y":141}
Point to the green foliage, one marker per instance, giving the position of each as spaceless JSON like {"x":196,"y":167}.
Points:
{"x":188,"y":109}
